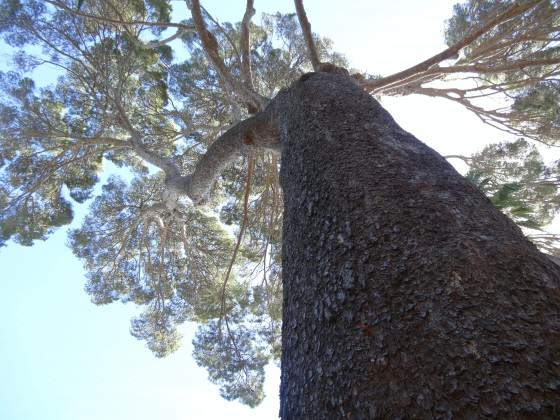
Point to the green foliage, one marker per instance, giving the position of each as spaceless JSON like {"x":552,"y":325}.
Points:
{"x":540,"y":105}
{"x":520,"y":184}
{"x":236,"y":348}
{"x":55,"y":138}
{"x":135,"y":249}
{"x":472,"y":13}
{"x":138,"y":244}
{"x":159,"y":329}
{"x":36,"y":171}
{"x":469,"y":14}
{"x":232,"y":362}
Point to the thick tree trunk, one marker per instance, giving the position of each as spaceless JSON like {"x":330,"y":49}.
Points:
{"x":406,"y":293}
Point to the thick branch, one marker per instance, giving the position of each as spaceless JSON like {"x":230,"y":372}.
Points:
{"x":515,"y":10}
{"x":308,"y":35}
{"x":245,"y":45}
{"x":210,"y":45}
{"x":257,"y":131}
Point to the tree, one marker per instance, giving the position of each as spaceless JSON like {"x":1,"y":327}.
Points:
{"x":361,"y":297}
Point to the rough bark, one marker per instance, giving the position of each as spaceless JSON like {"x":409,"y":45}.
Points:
{"x":258,"y":131}
{"x":406,"y":293}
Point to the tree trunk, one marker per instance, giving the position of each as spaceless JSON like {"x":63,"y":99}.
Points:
{"x":406,"y":293}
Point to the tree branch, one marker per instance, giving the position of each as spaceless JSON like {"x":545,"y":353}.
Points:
{"x":308,"y":35}
{"x":512,"y":66}
{"x":494,"y":117}
{"x":242,"y":227}
{"x":168,"y":166}
{"x":210,"y":45}
{"x":156,"y":44}
{"x":258,"y":131}
{"x":467,"y":160}
{"x":245,"y":45}
{"x":88,"y":141}
{"x":180,"y":26}
{"x":224,"y":33}
{"x":515,"y":10}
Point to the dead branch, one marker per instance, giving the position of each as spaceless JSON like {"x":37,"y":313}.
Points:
{"x":156,"y":44}
{"x":467,"y":160}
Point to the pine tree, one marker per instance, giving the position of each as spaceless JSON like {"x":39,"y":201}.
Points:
{"x":386,"y":253}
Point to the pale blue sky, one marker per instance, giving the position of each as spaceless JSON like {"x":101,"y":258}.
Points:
{"x":62,"y":358}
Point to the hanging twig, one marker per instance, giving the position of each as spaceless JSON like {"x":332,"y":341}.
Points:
{"x":243,"y":224}
{"x":180,"y":26}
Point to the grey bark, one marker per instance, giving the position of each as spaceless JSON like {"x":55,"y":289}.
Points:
{"x":406,"y":293}
{"x":258,"y":131}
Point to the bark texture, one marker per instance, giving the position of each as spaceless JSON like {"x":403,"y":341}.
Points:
{"x":406,"y":293}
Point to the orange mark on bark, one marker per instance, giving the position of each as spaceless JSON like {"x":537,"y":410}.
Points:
{"x":248,"y":139}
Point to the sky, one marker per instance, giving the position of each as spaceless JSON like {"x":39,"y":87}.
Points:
{"x":63,"y":358}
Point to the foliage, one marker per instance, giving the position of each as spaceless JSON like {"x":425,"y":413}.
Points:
{"x":520,"y":184}
{"x":236,"y":349}
{"x":540,"y":105}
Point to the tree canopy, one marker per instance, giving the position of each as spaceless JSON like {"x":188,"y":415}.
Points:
{"x":154,"y":93}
